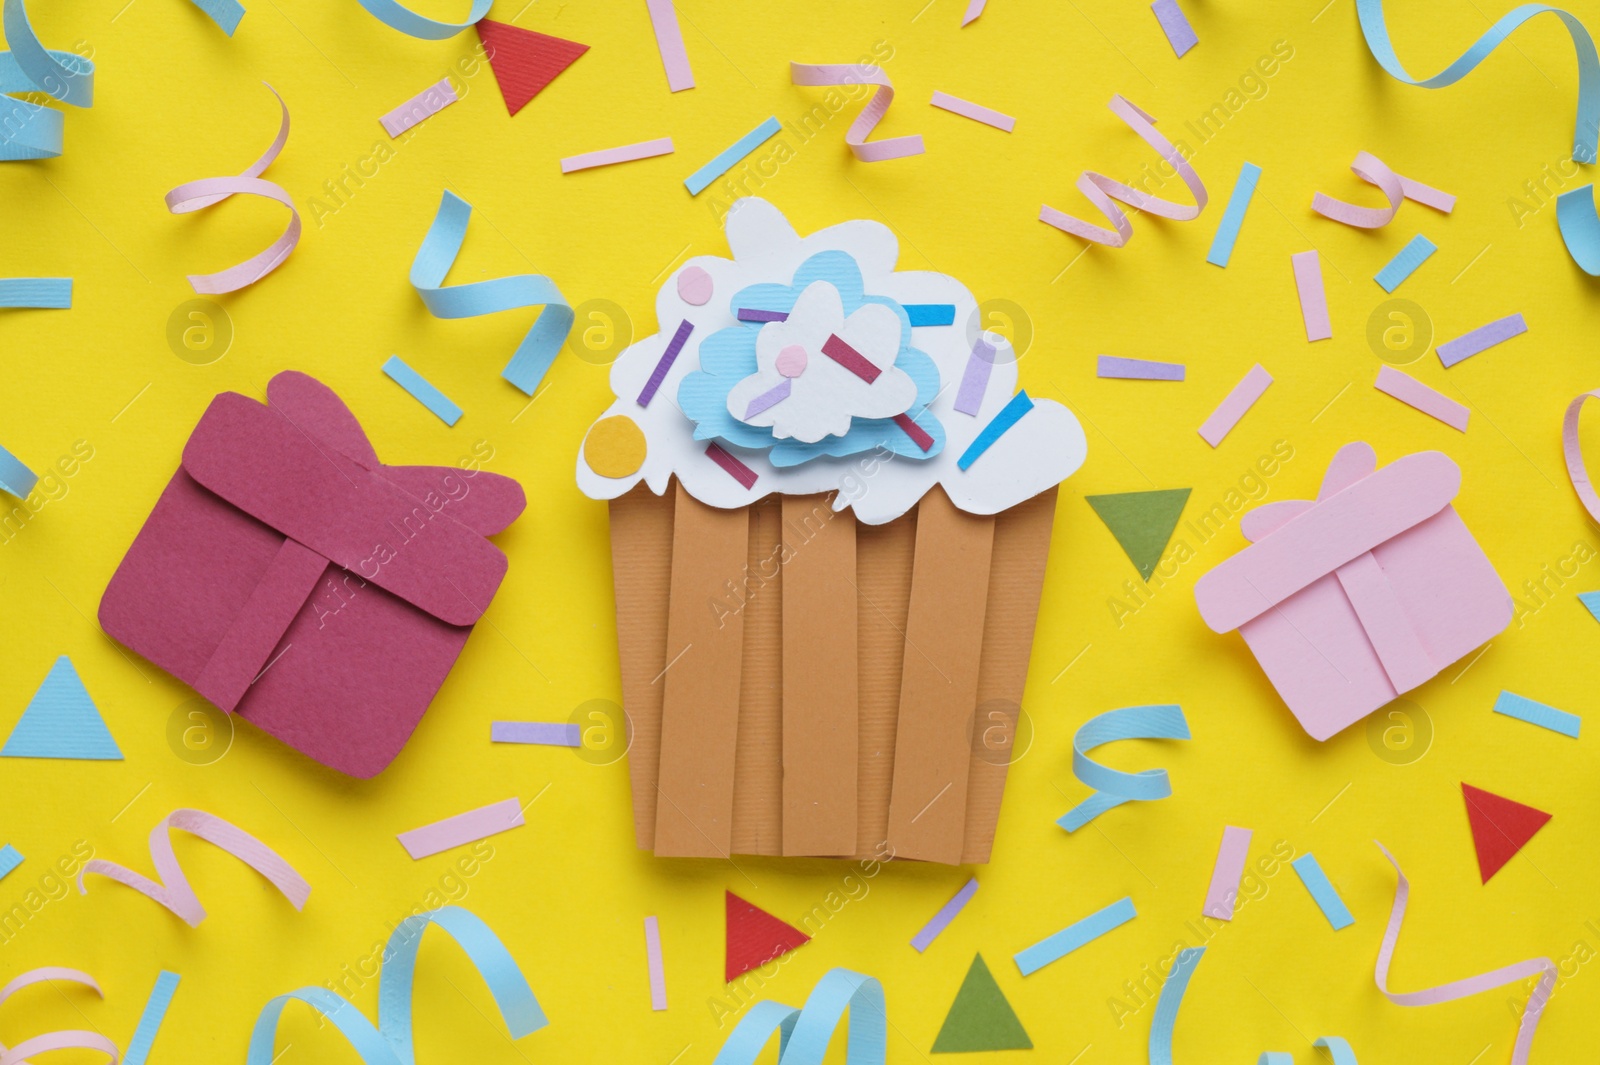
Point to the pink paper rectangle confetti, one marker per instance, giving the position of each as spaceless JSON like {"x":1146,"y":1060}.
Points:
{"x":1234,"y":407}
{"x":1175,"y":25}
{"x":975,"y":379}
{"x":610,"y":156}
{"x":1313,"y":301}
{"x":1481,"y":338}
{"x":1409,"y":390}
{"x":652,"y":953}
{"x":462,"y":828}
{"x":1225,"y":874}
{"x":977,"y":112}
{"x":736,"y":469}
{"x":425,"y":104}
{"x":947,"y":913}
{"x":669,"y":42}
{"x":851,"y":359}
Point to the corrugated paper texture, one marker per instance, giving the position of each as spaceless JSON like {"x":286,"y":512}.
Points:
{"x":767,"y":654}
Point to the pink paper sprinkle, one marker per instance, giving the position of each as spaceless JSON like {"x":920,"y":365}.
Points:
{"x":625,"y":154}
{"x":669,"y":42}
{"x":736,"y":469}
{"x":695,"y":286}
{"x":462,"y":828}
{"x":974,"y":9}
{"x":425,"y":104}
{"x":1231,"y":409}
{"x":917,"y":433}
{"x":977,"y":112}
{"x":1225,"y":874}
{"x":1313,"y":303}
{"x":652,"y":952}
{"x":851,"y":359}
{"x":1409,"y":390}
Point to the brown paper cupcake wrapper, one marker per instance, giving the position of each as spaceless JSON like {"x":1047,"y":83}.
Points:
{"x":799,"y":684}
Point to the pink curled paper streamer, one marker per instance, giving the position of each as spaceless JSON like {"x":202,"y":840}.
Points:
{"x":1371,"y":169}
{"x":1102,"y":191}
{"x":1544,"y":968}
{"x":62,"y":1040}
{"x":174,"y":891}
{"x":196,"y":195}
{"x":1577,"y":469}
{"x":870,"y":116}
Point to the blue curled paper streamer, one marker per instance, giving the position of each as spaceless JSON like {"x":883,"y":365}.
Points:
{"x":29,"y":130}
{"x":804,"y":1034}
{"x":390,"y":1043}
{"x":399,"y":17}
{"x":1576,"y":215}
{"x":1171,"y":998}
{"x":438,"y":253}
{"x":225,"y":13}
{"x":1113,"y":787}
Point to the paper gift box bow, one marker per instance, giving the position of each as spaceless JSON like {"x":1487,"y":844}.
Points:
{"x":1360,"y":596}
{"x":289,"y":576}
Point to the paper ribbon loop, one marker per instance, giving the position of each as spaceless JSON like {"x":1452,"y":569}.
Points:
{"x":173,"y":890}
{"x":1575,"y":208}
{"x":438,"y":253}
{"x":1395,"y":188}
{"x":804,"y":1034}
{"x":1113,"y":787}
{"x":399,"y":17}
{"x":196,"y":195}
{"x":390,"y":1042}
{"x":1577,"y":469}
{"x":870,"y":116}
{"x":1543,"y":968}
{"x":1103,"y":191}
{"x":29,"y":130}
{"x":62,"y":1040}
{"x":1170,"y":1000}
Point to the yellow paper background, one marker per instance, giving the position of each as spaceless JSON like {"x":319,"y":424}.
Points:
{"x":177,"y":101}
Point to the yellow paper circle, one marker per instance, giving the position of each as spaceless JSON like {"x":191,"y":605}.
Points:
{"x":615,"y":447}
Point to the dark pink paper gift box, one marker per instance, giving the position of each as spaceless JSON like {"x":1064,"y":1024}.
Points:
{"x":292,"y":578}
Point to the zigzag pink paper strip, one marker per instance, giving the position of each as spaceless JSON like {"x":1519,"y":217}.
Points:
{"x":61,"y":1040}
{"x":870,"y":116}
{"x":173,"y":890}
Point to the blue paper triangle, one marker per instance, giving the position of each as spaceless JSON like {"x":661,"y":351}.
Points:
{"x":61,"y":721}
{"x":1591,"y":600}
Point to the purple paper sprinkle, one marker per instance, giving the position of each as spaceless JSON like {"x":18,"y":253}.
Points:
{"x":1139,"y":369}
{"x":669,"y":356}
{"x":1173,"y":23}
{"x":1485,"y":336}
{"x":947,"y":913}
{"x":770,"y":398}
{"x":750,"y":314}
{"x":975,"y":381}
{"x":548,"y":733}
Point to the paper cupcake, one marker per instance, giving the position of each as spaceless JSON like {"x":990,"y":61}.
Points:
{"x":830,"y":514}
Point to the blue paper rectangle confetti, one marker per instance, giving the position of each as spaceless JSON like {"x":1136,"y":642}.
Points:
{"x":1074,"y":936}
{"x":10,"y":858}
{"x":155,"y":1011}
{"x":1009,"y":415}
{"x":1322,"y":892}
{"x":1536,"y":713}
{"x":421,"y":390}
{"x":1233,"y":217}
{"x":1405,"y":263}
{"x":730,"y":156}
{"x":931,"y":313}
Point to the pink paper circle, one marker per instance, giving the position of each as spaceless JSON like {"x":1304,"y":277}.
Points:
{"x":792,"y":361}
{"x":694,"y":286}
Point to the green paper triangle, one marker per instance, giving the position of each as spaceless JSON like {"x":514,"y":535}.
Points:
{"x":980,"y":1018}
{"x":1142,"y":522}
{"x":61,"y":721}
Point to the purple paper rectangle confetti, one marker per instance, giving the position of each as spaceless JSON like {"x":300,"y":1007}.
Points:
{"x":975,"y":381}
{"x":1175,"y":25}
{"x":668,"y":357}
{"x":1139,"y":369}
{"x":947,"y":913}
{"x":547,"y":733}
{"x":1481,"y":338}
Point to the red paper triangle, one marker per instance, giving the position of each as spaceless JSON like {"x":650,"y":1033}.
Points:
{"x":1500,"y":827}
{"x":525,"y":62}
{"x":755,"y":937}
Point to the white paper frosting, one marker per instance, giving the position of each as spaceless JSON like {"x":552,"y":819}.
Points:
{"x":1046,"y":446}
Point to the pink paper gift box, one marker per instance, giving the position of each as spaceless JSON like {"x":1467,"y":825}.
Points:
{"x":1361,"y":595}
{"x":290,"y":577}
